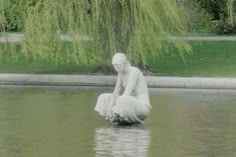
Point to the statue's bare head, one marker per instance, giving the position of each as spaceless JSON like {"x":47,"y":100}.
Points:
{"x":120,"y":62}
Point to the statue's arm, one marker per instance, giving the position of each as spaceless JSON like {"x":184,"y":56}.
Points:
{"x":113,"y":100}
{"x":131,"y":82}
{"x":117,"y":90}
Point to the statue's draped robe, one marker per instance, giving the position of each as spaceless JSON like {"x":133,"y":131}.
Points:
{"x":130,"y":99}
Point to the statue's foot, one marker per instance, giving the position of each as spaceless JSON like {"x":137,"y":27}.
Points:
{"x":115,"y":117}
{"x":123,"y":123}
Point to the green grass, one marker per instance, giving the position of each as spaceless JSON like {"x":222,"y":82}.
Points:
{"x":209,"y":59}
{"x":15,"y":62}
{"x":31,"y":68}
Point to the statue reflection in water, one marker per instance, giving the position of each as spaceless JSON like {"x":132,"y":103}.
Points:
{"x":120,"y":141}
{"x":129,"y":103}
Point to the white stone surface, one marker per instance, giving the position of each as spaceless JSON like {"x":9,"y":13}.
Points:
{"x":103,"y":80}
{"x":18,"y":37}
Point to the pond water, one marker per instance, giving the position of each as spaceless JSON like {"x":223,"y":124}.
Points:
{"x":61,"y":122}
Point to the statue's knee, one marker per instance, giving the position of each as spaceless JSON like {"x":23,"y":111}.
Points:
{"x":122,"y":99}
{"x":104,"y":96}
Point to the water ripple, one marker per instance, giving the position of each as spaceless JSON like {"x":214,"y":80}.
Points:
{"x":122,"y":141}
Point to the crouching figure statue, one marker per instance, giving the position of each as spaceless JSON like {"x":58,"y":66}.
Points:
{"x":129,"y":103}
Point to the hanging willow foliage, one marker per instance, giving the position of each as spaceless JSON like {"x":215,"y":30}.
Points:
{"x":91,"y":31}
{"x":136,"y":27}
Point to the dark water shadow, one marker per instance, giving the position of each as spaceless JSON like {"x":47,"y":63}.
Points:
{"x":120,"y":141}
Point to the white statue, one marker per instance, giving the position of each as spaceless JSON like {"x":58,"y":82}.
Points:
{"x":129,"y":103}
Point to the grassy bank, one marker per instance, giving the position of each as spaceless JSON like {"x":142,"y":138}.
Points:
{"x":31,"y":68}
{"x":209,"y":58}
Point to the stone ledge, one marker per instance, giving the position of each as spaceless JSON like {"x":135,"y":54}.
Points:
{"x":108,"y":81}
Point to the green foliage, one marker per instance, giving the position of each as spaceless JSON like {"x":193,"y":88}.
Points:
{"x":230,"y":9}
{"x":227,"y":21}
{"x":91,"y":31}
{"x":13,"y":14}
{"x":195,"y":18}
{"x":10,"y":52}
{"x":223,"y":14}
{"x":135,"y":27}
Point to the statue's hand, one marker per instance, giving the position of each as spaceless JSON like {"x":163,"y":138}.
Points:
{"x":109,"y":111}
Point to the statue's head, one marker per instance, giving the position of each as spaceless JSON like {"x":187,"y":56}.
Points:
{"x":120,"y":62}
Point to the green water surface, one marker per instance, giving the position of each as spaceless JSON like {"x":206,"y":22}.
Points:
{"x":61,"y":122}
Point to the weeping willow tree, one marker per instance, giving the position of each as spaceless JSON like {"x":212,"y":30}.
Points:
{"x":136,"y":27}
{"x":91,"y":31}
